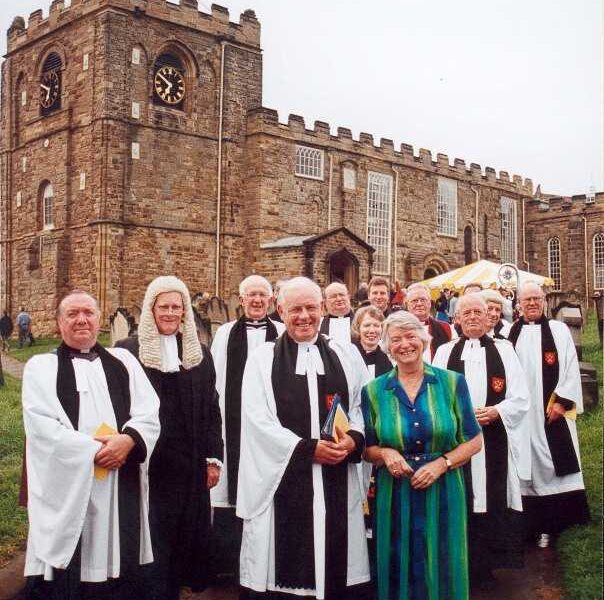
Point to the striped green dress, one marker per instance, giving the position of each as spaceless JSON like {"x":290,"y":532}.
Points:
{"x":420,"y":534}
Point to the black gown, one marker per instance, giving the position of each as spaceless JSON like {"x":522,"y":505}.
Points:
{"x":179,"y":501}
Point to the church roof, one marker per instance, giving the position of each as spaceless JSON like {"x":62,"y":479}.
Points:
{"x":287,"y":242}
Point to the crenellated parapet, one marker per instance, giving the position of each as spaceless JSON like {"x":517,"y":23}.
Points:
{"x":216,"y":23}
{"x":266,"y":120}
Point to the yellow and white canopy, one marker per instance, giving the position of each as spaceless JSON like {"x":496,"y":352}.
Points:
{"x":484,"y":272}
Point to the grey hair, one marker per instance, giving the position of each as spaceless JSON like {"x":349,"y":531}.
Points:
{"x":526,"y":284}
{"x":402,"y":319}
{"x":492,"y":296}
{"x":419,"y":286}
{"x":75,"y":292}
{"x":463,"y":300}
{"x":255,"y":280}
{"x":296,"y":283}
{"x":334,"y":284}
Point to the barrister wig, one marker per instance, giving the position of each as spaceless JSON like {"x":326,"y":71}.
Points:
{"x":148,"y":334}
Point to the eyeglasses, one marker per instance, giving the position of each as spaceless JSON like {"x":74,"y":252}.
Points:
{"x":167,"y":308}
{"x":532,"y":299}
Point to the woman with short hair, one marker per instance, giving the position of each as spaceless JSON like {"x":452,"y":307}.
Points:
{"x":420,"y":429}
{"x":366,"y":332}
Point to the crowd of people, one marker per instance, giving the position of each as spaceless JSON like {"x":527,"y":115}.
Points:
{"x":161,"y":464}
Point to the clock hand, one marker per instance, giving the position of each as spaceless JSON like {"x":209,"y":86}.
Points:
{"x":165,"y":80}
{"x":45,"y":87}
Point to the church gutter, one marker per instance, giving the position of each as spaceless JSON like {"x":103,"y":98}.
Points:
{"x":219,"y":171}
{"x":476,"y":197}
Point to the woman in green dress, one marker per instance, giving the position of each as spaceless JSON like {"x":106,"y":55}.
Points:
{"x":419,"y":429}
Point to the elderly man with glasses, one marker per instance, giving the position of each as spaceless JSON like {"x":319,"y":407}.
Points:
{"x":233,"y":343}
{"x":555,"y":497}
{"x":419,"y":304}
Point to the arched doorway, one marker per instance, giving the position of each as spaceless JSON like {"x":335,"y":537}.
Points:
{"x":430,"y":272}
{"x":344,"y":267}
{"x":468,"y":234}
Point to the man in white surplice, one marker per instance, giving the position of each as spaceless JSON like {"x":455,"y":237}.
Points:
{"x":501,"y":402}
{"x":233,"y":343}
{"x":91,"y":422}
{"x":299,"y":495}
{"x":555,"y":496}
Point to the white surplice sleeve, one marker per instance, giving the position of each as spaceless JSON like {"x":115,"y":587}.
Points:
{"x":266,"y":446}
{"x":569,"y":380}
{"x":60,"y":466}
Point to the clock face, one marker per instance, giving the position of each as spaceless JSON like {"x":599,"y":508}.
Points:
{"x":169,"y":85}
{"x":50,"y":89}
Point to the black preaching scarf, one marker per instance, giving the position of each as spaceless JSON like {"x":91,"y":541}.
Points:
{"x":494,"y":435}
{"x":497,"y":329}
{"x":557,"y":433}
{"x":327,"y":318}
{"x":236,"y":358}
{"x":378,"y":358}
{"x":294,"y":540}
{"x":118,"y":384}
{"x":439,"y":335}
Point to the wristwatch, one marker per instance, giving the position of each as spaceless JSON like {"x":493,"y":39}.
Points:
{"x":448,"y":461}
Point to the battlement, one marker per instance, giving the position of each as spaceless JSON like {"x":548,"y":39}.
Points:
{"x":266,"y":120}
{"x":217,"y":23}
{"x":576,"y":202}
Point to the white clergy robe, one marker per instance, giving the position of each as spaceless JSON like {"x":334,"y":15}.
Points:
{"x":513,"y":411}
{"x":219,"y":494}
{"x":339,"y":328}
{"x":544,"y":480}
{"x":266,"y":449}
{"x":504,"y":331}
{"x":65,"y":501}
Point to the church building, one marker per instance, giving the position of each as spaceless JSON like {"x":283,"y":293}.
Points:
{"x":134,"y":142}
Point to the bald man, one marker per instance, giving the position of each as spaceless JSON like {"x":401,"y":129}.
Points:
{"x":338,"y":313}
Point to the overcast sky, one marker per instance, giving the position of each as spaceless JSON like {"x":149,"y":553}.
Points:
{"x":511,"y":84}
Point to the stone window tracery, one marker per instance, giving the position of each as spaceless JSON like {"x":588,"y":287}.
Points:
{"x":379,"y":224}
{"x":309,"y":162}
{"x":598,"y":256}
{"x":553,"y":262}
{"x":508,"y":230}
{"x":446,"y":207}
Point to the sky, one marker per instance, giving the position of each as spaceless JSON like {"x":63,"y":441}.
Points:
{"x":516,"y":85}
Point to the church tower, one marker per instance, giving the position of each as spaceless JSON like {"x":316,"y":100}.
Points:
{"x":123,"y":128}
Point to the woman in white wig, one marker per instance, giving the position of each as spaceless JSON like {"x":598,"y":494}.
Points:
{"x":187,"y":458}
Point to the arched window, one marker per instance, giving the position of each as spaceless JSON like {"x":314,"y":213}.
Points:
{"x":50,"y":84}
{"x":169,"y":81}
{"x":598,"y":252}
{"x":48,"y":207}
{"x":553,"y":261}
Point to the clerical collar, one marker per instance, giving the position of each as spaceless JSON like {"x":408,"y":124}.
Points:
{"x":251,"y":323}
{"x":309,"y":343}
{"x":85,"y":353}
{"x":346,"y":316}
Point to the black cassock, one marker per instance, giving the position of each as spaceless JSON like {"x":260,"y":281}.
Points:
{"x":179,"y":500}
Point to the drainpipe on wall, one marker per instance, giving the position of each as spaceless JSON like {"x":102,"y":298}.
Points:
{"x":395,"y":219}
{"x":476,"y":197}
{"x":219,"y":171}
{"x":329,"y":191}
{"x":526,"y":262}
{"x":585,"y":262}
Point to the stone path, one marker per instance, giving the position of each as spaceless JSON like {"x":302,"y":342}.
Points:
{"x":12,"y":366}
{"x":539,"y":580}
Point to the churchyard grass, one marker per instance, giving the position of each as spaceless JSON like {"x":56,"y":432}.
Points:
{"x":13,"y":519}
{"x":43,"y":344}
{"x":580,"y":548}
